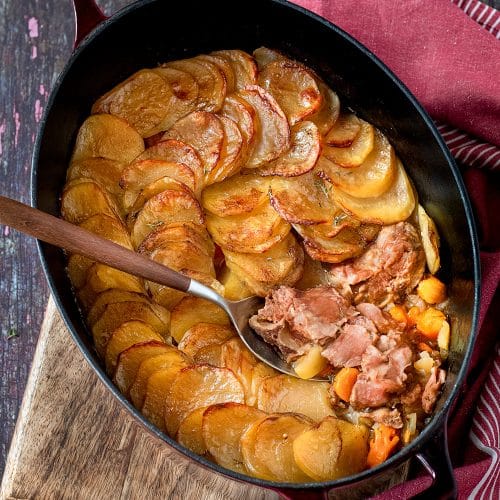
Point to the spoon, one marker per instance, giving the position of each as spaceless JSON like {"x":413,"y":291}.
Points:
{"x":75,"y":239}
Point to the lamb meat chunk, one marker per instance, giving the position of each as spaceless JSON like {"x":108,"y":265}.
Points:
{"x":390,"y":268}
{"x":382,"y":320}
{"x":432,"y":387}
{"x":385,"y":416}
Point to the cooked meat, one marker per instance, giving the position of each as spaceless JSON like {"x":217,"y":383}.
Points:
{"x":390,"y":268}
{"x":382,"y":320}
{"x":431,"y":389}
{"x":385,"y":416}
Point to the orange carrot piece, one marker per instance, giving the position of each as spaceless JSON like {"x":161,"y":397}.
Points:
{"x":399,"y":314}
{"x":382,"y":445}
{"x":344,"y":382}
{"x":430,"y":322}
{"x":413,"y":314}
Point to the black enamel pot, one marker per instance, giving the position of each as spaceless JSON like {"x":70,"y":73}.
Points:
{"x":152,"y":31}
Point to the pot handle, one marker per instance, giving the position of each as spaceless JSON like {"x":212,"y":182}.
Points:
{"x":436,"y":460}
{"x":87,"y":17}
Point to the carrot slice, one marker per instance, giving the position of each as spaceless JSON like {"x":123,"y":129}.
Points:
{"x":382,"y":445}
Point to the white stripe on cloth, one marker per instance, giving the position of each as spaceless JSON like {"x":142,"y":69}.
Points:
{"x":491,"y":22}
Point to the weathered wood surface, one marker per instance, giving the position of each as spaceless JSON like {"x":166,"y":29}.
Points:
{"x":73,"y":440}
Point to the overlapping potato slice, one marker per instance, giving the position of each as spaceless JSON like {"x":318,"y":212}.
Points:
{"x":395,"y":205}
{"x":130,"y":359}
{"x":345,"y":130}
{"x":273,"y":134}
{"x":305,"y":147}
{"x":430,"y":240}
{"x":125,"y":336}
{"x":204,"y":132}
{"x":237,"y":195}
{"x":267,"y":447}
{"x":174,"y":151}
{"x":210,"y":79}
{"x":305,"y":199}
{"x":222,"y":427}
{"x":192,"y":310}
{"x":283,"y":393}
{"x":282,"y":264}
{"x":151,"y":365}
{"x":112,"y":296}
{"x":224,"y":66}
{"x":120,"y":312}
{"x":294,"y":88}
{"x":243,"y":65}
{"x":326,"y":117}
{"x":197,"y":386}
{"x":255,"y":232}
{"x":355,"y":153}
{"x":165,"y":208}
{"x":234,"y":287}
{"x":107,"y":136}
{"x":144,"y":100}
{"x":372,"y":178}
{"x":332,"y":449}
{"x":201,"y":335}
{"x":190,"y":433}
{"x":265,"y":56}
{"x":82,"y":198}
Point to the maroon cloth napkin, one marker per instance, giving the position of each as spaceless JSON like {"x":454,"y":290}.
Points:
{"x":448,"y":54}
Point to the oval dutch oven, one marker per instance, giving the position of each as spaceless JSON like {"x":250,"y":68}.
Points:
{"x":153,"y":31}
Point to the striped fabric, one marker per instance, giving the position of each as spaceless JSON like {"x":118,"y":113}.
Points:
{"x":486,"y":16}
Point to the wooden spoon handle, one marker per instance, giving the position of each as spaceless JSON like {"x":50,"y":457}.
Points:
{"x":75,"y":239}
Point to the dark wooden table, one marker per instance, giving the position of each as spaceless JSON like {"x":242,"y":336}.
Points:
{"x":36,"y":39}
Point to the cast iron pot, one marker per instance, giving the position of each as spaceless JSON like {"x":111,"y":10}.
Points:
{"x":153,"y":31}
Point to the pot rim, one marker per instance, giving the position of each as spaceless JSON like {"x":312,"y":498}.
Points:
{"x":438,"y":420}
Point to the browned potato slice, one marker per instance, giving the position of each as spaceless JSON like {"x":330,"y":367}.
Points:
{"x":357,"y":152}
{"x":107,"y":136}
{"x":82,"y":198}
{"x":284,"y":393}
{"x":345,"y":130}
{"x":112,"y":296}
{"x":130,"y":359}
{"x":222,"y":427}
{"x":197,"y":386}
{"x":202,"y":334}
{"x":126,"y":335}
{"x":255,"y":232}
{"x":305,"y":199}
{"x":294,"y":88}
{"x":225,"y":67}
{"x":234,"y":287}
{"x":191,"y":311}
{"x":237,"y":195}
{"x":118,"y":313}
{"x":244,"y":67}
{"x":332,"y":449}
{"x":303,"y":154}
{"x":210,"y":79}
{"x":395,"y":205}
{"x":190,"y":432}
{"x":273,"y":134}
{"x":372,"y":178}
{"x":265,"y":56}
{"x":267,"y":447}
{"x":165,"y":208}
{"x":230,"y":161}
{"x":430,"y":240}
{"x":326,"y":117}
{"x":204,"y":132}
{"x":151,"y":365}
{"x":138,"y":175}
{"x":171,"y":150}
{"x":282,"y":264}
{"x":144,"y":100}
{"x":211,"y":354}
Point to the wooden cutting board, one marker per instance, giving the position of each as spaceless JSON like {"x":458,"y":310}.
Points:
{"x":73,"y":440}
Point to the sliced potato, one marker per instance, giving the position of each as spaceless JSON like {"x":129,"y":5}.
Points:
{"x":302,"y":155}
{"x":237,"y":195}
{"x":345,"y":130}
{"x":273,"y":135}
{"x":223,"y":425}
{"x":372,"y":178}
{"x":283,"y":393}
{"x":265,"y":56}
{"x":125,"y":336}
{"x":430,"y":240}
{"x":190,"y":433}
{"x":210,"y":79}
{"x":234,"y":287}
{"x":197,"y":386}
{"x":251,"y":233}
{"x":267,"y":447}
{"x":244,"y":67}
{"x":395,"y":205}
{"x":224,"y":66}
{"x":332,"y":449}
{"x":326,"y":117}
{"x":294,"y":88}
{"x":311,"y":363}
{"x":107,"y":136}
{"x":356,"y":153}
{"x":151,"y":365}
{"x":203,"y":334}
{"x":166,"y":207}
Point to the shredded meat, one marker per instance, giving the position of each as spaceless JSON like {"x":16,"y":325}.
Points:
{"x":432,"y":387}
{"x":385,"y":416}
